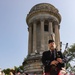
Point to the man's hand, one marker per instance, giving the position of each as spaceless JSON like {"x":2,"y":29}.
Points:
{"x":54,"y":62}
{"x":59,"y":60}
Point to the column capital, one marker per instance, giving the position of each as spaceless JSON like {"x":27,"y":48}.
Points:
{"x":42,"y":19}
{"x":30,"y":24}
{"x":55,"y":23}
{"x":59,"y":26}
{"x":34,"y":20}
{"x":50,"y":20}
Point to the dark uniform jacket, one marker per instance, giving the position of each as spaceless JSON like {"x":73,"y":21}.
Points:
{"x":48,"y":57}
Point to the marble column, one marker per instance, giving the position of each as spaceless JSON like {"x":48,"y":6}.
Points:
{"x":30,"y":40}
{"x":57,"y":35}
{"x":42,"y":35}
{"x":34,"y":37}
{"x":50,"y":30}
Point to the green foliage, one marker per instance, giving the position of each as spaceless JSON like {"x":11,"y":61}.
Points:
{"x":16,"y":69}
{"x":21,"y":67}
{"x":70,"y":54}
{"x":25,"y":61}
{"x":68,"y":65}
{"x":72,"y":48}
{"x":6,"y":71}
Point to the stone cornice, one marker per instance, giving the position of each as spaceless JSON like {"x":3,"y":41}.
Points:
{"x":43,"y":11}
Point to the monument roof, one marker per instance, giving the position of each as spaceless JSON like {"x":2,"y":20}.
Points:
{"x":43,"y":6}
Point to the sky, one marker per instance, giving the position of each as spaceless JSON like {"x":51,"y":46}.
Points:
{"x":14,"y":32}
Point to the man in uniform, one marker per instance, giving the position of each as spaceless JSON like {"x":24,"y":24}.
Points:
{"x":52,"y":60}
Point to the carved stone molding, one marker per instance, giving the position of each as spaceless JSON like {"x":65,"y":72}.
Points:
{"x":42,"y":17}
{"x":47,"y":12}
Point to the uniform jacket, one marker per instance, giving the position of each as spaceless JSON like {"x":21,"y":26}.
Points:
{"x":47,"y":58}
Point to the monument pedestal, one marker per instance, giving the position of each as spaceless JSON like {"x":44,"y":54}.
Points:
{"x":33,"y":64}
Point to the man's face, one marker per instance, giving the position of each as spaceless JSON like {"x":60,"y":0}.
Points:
{"x":52,"y":46}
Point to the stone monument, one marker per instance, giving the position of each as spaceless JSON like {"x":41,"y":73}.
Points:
{"x":43,"y":24}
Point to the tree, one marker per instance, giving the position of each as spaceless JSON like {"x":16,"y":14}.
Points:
{"x":70,"y":56}
{"x":6,"y":71}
